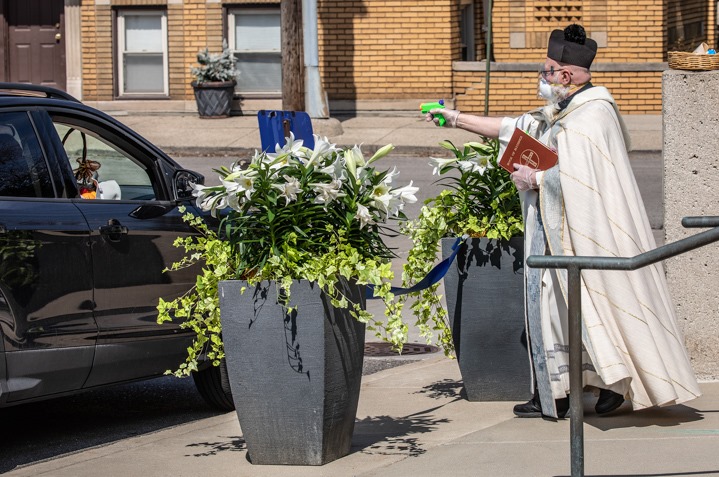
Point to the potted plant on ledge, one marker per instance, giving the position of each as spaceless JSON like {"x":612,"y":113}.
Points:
{"x":485,"y":286}
{"x":290,"y":264}
{"x":215,"y":80}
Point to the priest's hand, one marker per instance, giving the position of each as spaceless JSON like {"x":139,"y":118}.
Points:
{"x":524,"y":177}
{"x":450,"y":115}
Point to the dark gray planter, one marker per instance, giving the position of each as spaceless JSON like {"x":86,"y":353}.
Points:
{"x":485,"y":301}
{"x":295,"y":377}
{"x":214,"y":98}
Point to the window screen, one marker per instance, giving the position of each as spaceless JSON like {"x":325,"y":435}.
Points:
{"x":143,"y":47}
{"x":255,"y":39}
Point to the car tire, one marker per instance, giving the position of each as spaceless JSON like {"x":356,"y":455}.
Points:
{"x":214,"y":386}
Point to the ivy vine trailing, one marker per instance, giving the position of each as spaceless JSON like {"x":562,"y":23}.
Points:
{"x":479,"y":200}
{"x":298,"y":213}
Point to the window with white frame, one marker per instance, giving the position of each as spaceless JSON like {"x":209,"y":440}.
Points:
{"x":254,"y":35}
{"x":142,"y":51}
{"x":466,"y":30}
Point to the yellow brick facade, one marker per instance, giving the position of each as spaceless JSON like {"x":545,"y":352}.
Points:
{"x":514,"y":92}
{"x":407,"y":50}
{"x":387,"y":49}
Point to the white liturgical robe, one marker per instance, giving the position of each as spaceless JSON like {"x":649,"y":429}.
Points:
{"x":589,"y":205}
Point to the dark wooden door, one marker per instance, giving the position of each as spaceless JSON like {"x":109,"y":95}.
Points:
{"x":36,"y":43}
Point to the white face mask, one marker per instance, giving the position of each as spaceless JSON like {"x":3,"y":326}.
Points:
{"x":545,"y":90}
{"x":554,"y":93}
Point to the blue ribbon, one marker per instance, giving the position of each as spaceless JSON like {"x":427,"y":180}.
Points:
{"x":434,"y":275}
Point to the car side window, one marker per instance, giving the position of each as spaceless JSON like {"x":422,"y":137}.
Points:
{"x":23,"y":168}
{"x":102,"y":169}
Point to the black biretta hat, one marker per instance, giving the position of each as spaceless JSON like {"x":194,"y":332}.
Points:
{"x":572,"y":46}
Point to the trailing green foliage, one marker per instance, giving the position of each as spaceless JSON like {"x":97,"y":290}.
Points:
{"x":479,"y":200}
{"x":295,"y":214}
{"x":199,"y":308}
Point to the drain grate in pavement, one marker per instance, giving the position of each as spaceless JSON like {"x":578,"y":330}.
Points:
{"x":385,"y":349}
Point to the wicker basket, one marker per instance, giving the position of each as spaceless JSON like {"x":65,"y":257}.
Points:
{"x":681,"y":60}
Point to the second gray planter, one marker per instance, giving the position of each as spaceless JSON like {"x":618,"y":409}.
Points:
{"x":485,"y":300}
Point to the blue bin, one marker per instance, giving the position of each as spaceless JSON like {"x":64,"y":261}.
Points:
{"x":275,"y":126}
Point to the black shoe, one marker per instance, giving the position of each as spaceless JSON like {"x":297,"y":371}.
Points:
{"x":533,"y":408}
{"x":562,"y":407}
{"x":608,"y":401}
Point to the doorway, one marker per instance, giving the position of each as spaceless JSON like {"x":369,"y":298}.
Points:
{"x":35,"y":42}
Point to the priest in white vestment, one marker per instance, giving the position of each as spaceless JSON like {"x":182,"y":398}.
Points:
{"x":589,"y":205}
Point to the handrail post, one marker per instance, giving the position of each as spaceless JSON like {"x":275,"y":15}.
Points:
{"x":576,"y":403}
{"x":574,"y":266}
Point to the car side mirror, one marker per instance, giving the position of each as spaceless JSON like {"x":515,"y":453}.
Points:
{"x":182,"y":184}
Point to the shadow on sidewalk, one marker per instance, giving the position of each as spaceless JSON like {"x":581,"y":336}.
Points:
{"x":387,"y":435}
{"x":44,"y":430}
{"x":624,"y":417}
{"x":232,"y":444}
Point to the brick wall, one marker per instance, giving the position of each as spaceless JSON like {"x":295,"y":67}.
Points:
{"x":387,"y":49}
{"x":626,"y":30}
{"x":513,"y":93}
{"x":97,"y":69}
{"x":394,"y":50}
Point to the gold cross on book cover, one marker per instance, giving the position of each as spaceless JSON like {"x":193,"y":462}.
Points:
{"x":525,"y":150}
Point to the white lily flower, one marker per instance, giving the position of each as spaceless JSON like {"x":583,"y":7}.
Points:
{"x":292,"y":148}
{"x":241,"y":184}
{"x":381,"y":197}
{"x":292,"y":145}
{"x":289,"y":189}
{"x":466,"y":166}
{"x":326,"y":193}
{"x":334,"y":170}
{"x":214,"y":203}
{"x":400,"y":197}
{"x":354,"y":159}
{"x":390,"y":176}
{"x":438,"y":163}
{"x":322,"y":148}
{"x":485,"y":148}
{"x":364,"y":216}
{"x":381,"y":153}
{"x":475,"y":163}
{"x":278,"y":161}
{"x":233,"y":202}
{"x":407,"y":193}
{"x":201,"y":192}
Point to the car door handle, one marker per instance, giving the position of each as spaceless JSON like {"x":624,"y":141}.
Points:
{"x":114,"y":230}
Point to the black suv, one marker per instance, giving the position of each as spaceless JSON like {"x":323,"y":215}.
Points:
{"x":88,"y":217}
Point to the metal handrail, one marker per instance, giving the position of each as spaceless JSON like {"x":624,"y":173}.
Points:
{"x":574,"y":266}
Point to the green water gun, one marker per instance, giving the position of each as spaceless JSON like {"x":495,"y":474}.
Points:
{"x":427,"y":107}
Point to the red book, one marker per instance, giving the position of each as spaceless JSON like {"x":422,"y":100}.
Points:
{"x":525,"y":150}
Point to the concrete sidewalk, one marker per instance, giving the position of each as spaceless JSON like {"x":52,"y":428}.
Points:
{"x":238,"y":135}
{"x":412,"y":421}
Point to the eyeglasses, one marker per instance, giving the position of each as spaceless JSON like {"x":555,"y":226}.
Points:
{"x":550,"y":72}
